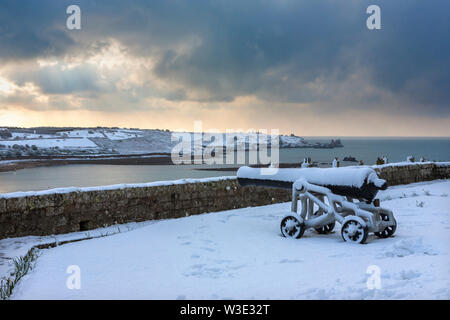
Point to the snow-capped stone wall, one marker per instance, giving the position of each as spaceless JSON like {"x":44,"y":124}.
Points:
{"x":53,"y":213}
{"x":405,"y":173}
{"x":69,"y":210}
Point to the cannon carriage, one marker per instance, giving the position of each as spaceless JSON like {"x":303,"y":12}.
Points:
{"x":345,"y":195}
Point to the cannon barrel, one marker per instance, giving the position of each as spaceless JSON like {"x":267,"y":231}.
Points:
{"x":354,"y":182}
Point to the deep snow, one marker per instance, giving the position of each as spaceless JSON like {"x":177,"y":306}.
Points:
{"x":239,"y":254}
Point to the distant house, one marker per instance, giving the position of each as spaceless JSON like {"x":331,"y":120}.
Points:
{"x":5,"y":134}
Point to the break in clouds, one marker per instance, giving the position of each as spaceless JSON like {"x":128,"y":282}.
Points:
{"x":148,"y":55}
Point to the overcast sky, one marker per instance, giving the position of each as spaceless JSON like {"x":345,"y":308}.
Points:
{"x":310,"y":67}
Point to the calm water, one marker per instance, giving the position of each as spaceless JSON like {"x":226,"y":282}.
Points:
{"x":366,"y":149}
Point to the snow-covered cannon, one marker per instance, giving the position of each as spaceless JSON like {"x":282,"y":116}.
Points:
{"x":328,"y":195}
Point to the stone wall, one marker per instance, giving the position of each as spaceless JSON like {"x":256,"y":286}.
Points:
{"x":84,"y":209}
{"x":74,"y":211}
{"x":396,"y":174}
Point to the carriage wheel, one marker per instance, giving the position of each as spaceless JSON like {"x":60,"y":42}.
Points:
{"x":354,"y":231}
{"x":291,"y":227}
{"x":388,"y":231}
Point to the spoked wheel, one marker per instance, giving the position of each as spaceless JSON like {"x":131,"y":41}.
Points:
{"x":326,"y":228}
{"x":388,"y":231}
{"x":354,"y":231}
{"x":291,"y":227}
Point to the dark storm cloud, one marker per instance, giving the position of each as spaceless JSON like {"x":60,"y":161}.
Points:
{"x":56,"y":80}
{"x":411,"y":56}
{"x":285,"y":51}
{"x":30,"y":29}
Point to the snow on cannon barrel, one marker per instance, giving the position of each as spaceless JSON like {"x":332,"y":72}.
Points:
{"x":354,"y":182}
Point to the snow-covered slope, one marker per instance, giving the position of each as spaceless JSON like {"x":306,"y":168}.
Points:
{"x":120,"y":141}
{"x":239,"y":254}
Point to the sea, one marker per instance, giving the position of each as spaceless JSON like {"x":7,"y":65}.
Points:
{"x":87,"y":175}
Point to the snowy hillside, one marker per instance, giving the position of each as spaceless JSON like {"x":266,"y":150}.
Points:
{"x":239,"y":254}
{"x":16,"y":143}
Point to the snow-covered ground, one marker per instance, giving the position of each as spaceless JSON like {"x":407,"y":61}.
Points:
{"x":240,"y":254}
{"x":82,"y":133}
{"x":122,"y":135}
{"x":17,"y":247}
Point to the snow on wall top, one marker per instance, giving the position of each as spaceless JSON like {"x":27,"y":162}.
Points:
{"x":20,"y":194}
{"x":406,"y":163}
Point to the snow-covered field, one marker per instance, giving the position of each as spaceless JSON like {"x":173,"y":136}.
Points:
{"x":240,"y":254}
{"x":52,"y":143}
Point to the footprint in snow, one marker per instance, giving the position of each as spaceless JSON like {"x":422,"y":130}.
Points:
{"x":200,"y":229}
{"x":221,"y":261}
{"x":408,"y":275}
{"x":290,"y":261}
{"x":202,"y":271}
